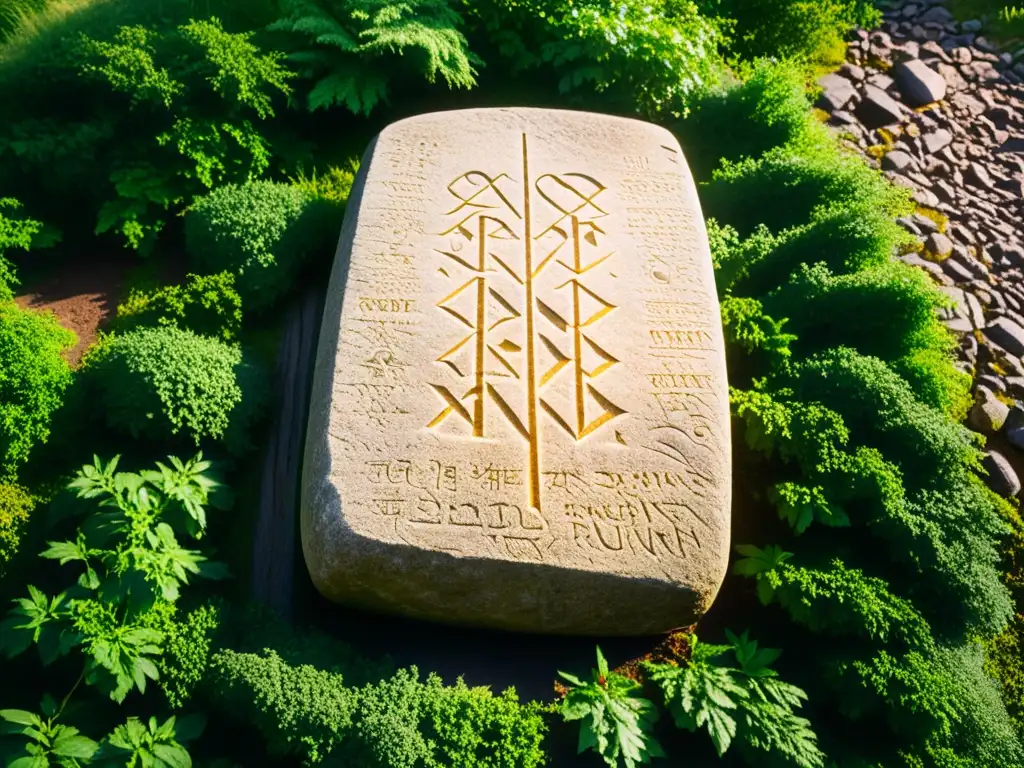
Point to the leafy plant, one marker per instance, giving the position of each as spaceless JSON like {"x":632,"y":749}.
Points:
{"x":160,"y":382}
{"x":132,"y":569}
{"x":616,"y":720}
{"x":195,"y":94}
{"x":33,"y":379}
{"x":46,"y":742}
{"x":151,"y":745}
{"x":645,"y":57}
{"x":15,"y":505}
{"x":207,"y":305}
{"x":15,"y":232}
{"x":749,"y":703}
{"x":262,"y":232}
{"x":352,"y":49}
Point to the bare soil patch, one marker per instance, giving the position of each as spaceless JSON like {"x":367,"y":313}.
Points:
{"x":83,"y":296}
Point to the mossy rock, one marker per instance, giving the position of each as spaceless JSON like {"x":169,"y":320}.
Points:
{"x":940,"y":219}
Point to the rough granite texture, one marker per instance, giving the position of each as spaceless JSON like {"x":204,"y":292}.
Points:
{"x":519,"y":415}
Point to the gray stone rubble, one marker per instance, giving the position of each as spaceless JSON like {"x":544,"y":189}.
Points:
{"x":942,"y":110}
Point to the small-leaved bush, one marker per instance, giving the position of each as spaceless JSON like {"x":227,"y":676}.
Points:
{"x":262,"y":232}
{"x":162,"y":382}
{"x":207,"y":305}
{"x":880,"y":546}
{"x":15,"y":232}
{"x":812,"y":31}
{"x":312,"y":715}
{"x":15,"y":505}
{"x":33,"y":379}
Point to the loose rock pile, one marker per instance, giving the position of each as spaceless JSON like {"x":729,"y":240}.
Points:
{"x":941,"y":110}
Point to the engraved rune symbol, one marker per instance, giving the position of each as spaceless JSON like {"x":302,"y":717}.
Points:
{"x":514,"y":343}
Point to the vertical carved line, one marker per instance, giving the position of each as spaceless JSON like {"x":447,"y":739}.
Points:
{"x":577,"y":342}
{"x":531,"y":379}
{"x":481,"y":333}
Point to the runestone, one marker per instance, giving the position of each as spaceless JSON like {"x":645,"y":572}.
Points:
{"x":519,"y":416}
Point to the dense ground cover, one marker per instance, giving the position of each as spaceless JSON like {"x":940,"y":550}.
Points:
{"x":869,"y":551}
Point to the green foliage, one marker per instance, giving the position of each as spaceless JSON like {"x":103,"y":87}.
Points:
{"x":350,"y":50}
{"x":768,"y":109}
{"x":188,"y":646}
{"x":151,"y":745}
{"x":14,"y":12}
{"x":193,"y":93}
{"x":15,"y":232}
{"x":207,"y":305}
{"x":335,"y":185}
{"x":640,"y":56}
{"x":131,"y":745}
{"x":33,"y":378}
{"x":891,"y":563}
{"x":15,"y":505}
{"x":617,"y":721}
{"x":160,"y":382}
{"x":813,"y":31}
{"x":1004,"y":662}
{"x":46,"y":742}
{"x":133,"y":568}
{"x":747,"y":704}
{"x":119,"y":613}
{"x":262,"y":232}
{"x":399,"y":722}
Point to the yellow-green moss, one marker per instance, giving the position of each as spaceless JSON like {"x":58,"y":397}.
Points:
{"x":874,"y":62}
{"x":1005,"y":399}
{"x":940,"y":219}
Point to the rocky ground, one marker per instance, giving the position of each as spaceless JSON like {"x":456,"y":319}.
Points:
{"x":940,"y":110}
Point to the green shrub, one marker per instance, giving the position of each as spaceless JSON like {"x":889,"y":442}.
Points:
{"x":15,"y":505}
{"x":33,"y":378}
{"x":310,"y":714}
{"x":262,"y":232}
{"x":15,"y":232}
{"x":350,"y":50}
{"x":810,"y":30}
{"x":207,"y":305}
{"x":335,"y":185}
{"x":152,"y":115}
{"x":113,"y":619}
{"x":188,"y":647}
{"x":769,"y":109}
{"x":889,"y":564}
{"x":172,"y":77}
{"x":615,"y":718}
{"x":156,"y":383}
{"x":639,"y":56}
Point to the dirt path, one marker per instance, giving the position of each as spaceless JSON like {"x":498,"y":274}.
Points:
{"x":82,"y":295}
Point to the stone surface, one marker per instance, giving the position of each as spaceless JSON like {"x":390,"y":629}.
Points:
{"x":878,"y":108}
{"x":836,"y":92}
{"x":919,"y":83}
{"x":519,"y":415}
{"x":1000,"y":477}
{"x":988,"y":413}
{"x":1007,"y":334}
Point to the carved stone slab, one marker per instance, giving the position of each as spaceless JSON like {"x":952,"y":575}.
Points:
{"x":519,"y":414}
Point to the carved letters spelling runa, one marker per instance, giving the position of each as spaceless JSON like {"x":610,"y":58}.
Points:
{"x":519,"y":411}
